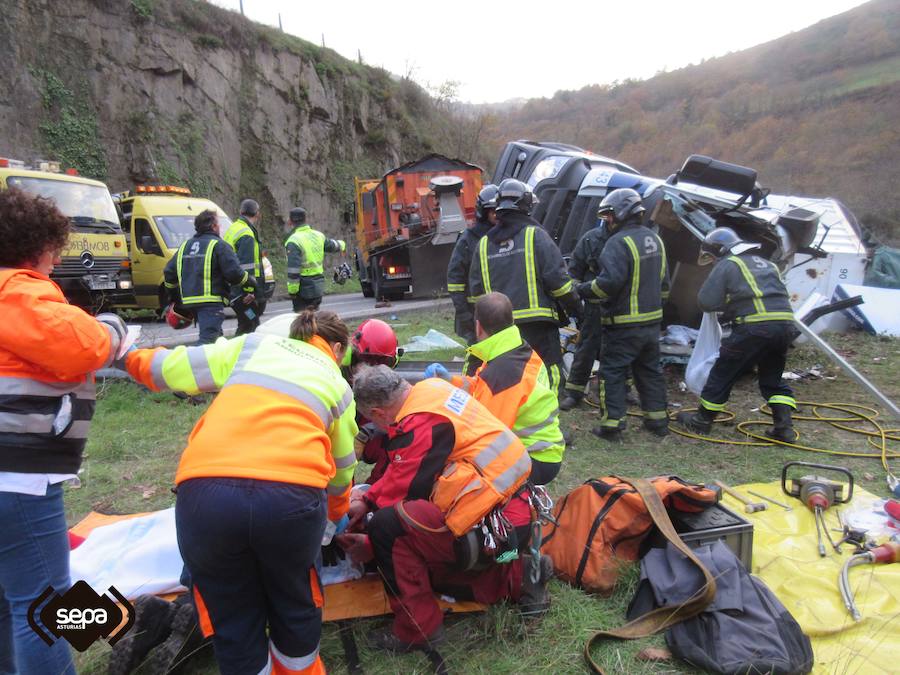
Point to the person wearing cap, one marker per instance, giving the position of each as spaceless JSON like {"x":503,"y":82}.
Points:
{"x":750,"y":292}
{"x":243,"y":237}
{"x":306,"y":249}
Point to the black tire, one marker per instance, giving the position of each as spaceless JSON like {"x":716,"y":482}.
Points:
{"x":367,"y":290}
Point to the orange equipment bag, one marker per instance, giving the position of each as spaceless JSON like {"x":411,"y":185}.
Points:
{"x":603,"y":522}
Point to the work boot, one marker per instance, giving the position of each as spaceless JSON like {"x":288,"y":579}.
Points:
{"x":184,"y":639}
{"x":152,"y":625}
{"x":699,"y":422}
{"x":783,"y":429}
{"x":535,"y":599}
{"x":387,"y":641}
{"x":571,"y":400}
{"x":657,"y":427}
{"x":609,"y":434}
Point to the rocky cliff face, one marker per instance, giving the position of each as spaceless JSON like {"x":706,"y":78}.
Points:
{"x":180,"y":91}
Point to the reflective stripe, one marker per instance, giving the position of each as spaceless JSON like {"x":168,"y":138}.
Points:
{"x":207,"y":295}
{"x":496,"y":448}
{"x":527,"y":431}
{"x":714,"y":407}
{"x":635,"y":275}
{"x":765,"y":316}
{"x":456,"y":288}
{"x":665,"y":262}
{"x":23,"y":386}
{"x":347,"y":460}
{"x":114,"y":342}
{"x":304,"y":396}
{"x":485,"y":272}
{"x":596,"y":290}
{"x":293,"y":270}
{"x":562,"y":290}
{"x":342,"y":405}
{"x":250,"y":267}
{"x":655,"y":415}
{"x":540,"y":445}
{"x":251,"y":344}
{"x":199,"y":365}
{"x":610,"y":423}
{"x":294,"y":662}
{"x":156,"y":369}
{"x":532,"y":313}
{"x":472,"y":299}
{"x":267,"y":669}
{"x":513,"y":474}
{"x":26,"y":423}
{"x":784,"y":400}
{"x":655,"y":315}
{"x":78,"y":430}
{"x":751,"y":281}
{"x":530,"y":275}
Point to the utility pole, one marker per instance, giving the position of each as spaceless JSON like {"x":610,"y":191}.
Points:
{"x":280,"y":27}
{"x":323,"y":40}
{"x":242,"y":7}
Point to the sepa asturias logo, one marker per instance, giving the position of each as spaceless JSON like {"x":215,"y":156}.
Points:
{"x":80,"y":616}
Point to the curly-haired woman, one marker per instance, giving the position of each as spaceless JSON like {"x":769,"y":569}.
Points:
{"x":48,"y":352}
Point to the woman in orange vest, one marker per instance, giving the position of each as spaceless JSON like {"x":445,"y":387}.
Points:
{"x":270,"y":460}
{"x":48,"y":352}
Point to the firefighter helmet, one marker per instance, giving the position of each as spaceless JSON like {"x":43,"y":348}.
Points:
{"x":717,"y":244}
{"x":487,"y":199}
{"x":622,"y":204}
{"x":374,"y":343}
{"x":177,"y":317}
{"x":514,"y":195}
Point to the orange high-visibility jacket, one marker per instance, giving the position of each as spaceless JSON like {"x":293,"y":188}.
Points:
{"x":284,"y":412}
{"x":48,"y":352}
{"x":488,"y":463}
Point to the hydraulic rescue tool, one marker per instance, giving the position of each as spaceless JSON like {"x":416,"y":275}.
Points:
{"x":888,"y":552}
{"x":749,"y":507}
{"x":819,"y":494}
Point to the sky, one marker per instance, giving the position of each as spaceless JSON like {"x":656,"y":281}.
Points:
{"x":504,"y":50}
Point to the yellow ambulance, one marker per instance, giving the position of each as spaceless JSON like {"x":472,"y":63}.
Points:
{"x":156,"y":220}
{"x":95,"y":272}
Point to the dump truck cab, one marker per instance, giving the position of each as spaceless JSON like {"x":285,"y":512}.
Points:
{"x":94,"y":272}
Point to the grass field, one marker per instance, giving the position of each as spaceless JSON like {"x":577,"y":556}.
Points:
{"x":137,"y":438}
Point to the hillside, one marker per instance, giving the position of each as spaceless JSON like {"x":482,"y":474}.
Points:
{"x":815,"y":112}
{"x":180,"y":91}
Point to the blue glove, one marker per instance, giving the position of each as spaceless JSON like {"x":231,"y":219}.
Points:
{"x":341,"y":525}
{"x":437,"y":370}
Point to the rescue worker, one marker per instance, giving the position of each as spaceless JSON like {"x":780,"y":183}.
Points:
{"x":199,"y":275}
{"x":461,"y":261}
{"x":512,"y":383}
{"x":252,"y":484}
{"x":423,"y":533}
{"x":585,"y":265}
{"x":49,"y":351}
{"x":306,"y":249}
{"x":633,"y":283}
{"x":519,"y":259}
{"x":749,"y":290}
{"x":243,"y":237}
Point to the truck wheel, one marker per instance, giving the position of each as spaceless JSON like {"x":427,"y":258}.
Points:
{"x":367,"y":290}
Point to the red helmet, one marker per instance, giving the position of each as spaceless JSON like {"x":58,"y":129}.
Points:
{"x":375,"y":342}
{"x":177,"y":318}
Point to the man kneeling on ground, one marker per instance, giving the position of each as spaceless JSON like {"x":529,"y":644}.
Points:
{"x":513,"y":384}
{"x":452,"y":466}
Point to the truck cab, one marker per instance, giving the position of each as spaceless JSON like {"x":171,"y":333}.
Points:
{"x":94,"y":273}
{"x":157,"y":219}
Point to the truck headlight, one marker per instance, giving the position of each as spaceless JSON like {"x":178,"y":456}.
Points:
{"x":125,"y":284}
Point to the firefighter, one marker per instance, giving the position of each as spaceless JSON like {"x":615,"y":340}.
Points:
{"x":268,"y":463}
{"x":633,"y":283}
{"x":513,"y":384}
{"x":49,"y":351}
{"x":306,"y":250}
{"x":423,"y":533}
{"x":461,"y":261}
{"x":519,"y":259}
{"x":749,"y":290}
{"x":243,"y":237}
{"x":199,"y":275}
{"x":585,"y":264}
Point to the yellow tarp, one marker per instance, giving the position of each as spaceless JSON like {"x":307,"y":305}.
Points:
{"x":786,"y":558}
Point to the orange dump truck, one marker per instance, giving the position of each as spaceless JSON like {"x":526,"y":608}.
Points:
{"x":407,"y":223}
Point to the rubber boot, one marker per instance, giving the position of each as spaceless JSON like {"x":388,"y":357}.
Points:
{"x":183,"y":641}
{"x":783,"y":429}
{"x":572,"y":399}
{"x":152,"y":625}
{"x":699,"y":422}
{"x":658,"y":428}
{"x":609,"y":434}
{"x":535,"y":599}
{"x":387,"y":641}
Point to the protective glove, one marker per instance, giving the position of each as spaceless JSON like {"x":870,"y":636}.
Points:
{"x":333,"y":527}
{"x":342,"y":244}
{"x":437,"y":370}
{"x":121,"y":362}
{"x":356,"y":546}
{"x":584,"y":290}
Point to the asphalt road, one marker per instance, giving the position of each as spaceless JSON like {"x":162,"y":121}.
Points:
{"x":351,"y":307}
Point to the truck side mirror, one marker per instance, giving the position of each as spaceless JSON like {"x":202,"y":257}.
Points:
{"x":149,"y":245}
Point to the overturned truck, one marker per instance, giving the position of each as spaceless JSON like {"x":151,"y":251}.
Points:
{"x":815,"y":242}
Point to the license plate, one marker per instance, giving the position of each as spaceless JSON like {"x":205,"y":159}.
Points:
{"x":101,"y":284}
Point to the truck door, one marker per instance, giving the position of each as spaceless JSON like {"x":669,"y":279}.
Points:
{"x":147,"y":263}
